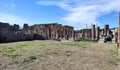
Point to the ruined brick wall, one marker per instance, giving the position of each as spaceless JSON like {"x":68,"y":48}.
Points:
{"x":69,"y":32}
{"x":83,"y":34}
{"x":88,"y":34}
{"x":52,"y":31}
{"x":9,"y":33}
{"x":40,"y":32}
{"x":78,"y":34}
{"x":55,"y":30}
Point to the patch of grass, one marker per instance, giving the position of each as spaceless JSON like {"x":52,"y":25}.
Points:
{"x":113,"y":62}
{"x":8,"y":52}
{"x":30,"y":59}
{"x":21,"y":46}
{"x":11,"y":55}
{"x":115,"y":52}
{"x":8,"y":49}
{"x":68,"y":53}
{"x":82,"y":44}
{"x":43,"y":55}
{"x":16,"y":62}
{"x":42,"y":45}
{"x":53,"y":53}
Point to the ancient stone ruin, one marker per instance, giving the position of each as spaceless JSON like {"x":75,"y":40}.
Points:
{"x":52,"y":31}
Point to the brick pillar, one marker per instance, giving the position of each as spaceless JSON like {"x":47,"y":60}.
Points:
{"x":63,"y":32}
{"x":106,"y":30}
{"x":102,"y":32}
{"x":119,"y":36}
{"x":73,"y":34}
{"x":119,"y":31}
{"x":83,"y":33}
{"x":116,"y":37}
{"x":90,"y":34}
{"x":97,"y":33}
{"x":55,"y":31}
{"x":93,"y":32}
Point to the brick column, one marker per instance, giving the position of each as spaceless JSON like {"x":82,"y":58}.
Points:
{"x":106,"y":30}
{"x":119,"y":36}
{"x":93,"y":32}
{"x":97,"y":33}
{"x":119,"y":31}
{"x":83,"y":33}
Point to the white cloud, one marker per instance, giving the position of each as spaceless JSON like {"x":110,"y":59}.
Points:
{"x":56,"y":3}
{"x":84,"y":11}
{"x":82,"y":15}
{"x":12,"y":19}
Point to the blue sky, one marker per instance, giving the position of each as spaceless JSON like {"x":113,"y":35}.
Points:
{"x":76,"y":13}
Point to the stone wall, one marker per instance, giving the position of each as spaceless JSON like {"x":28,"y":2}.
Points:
{"x":83,"y":34}
{"x":94,"y":34}
{"x":9,"y":33}
{"x":52,"y":31}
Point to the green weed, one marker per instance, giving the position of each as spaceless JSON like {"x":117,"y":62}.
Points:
{"x":30,"y":59}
